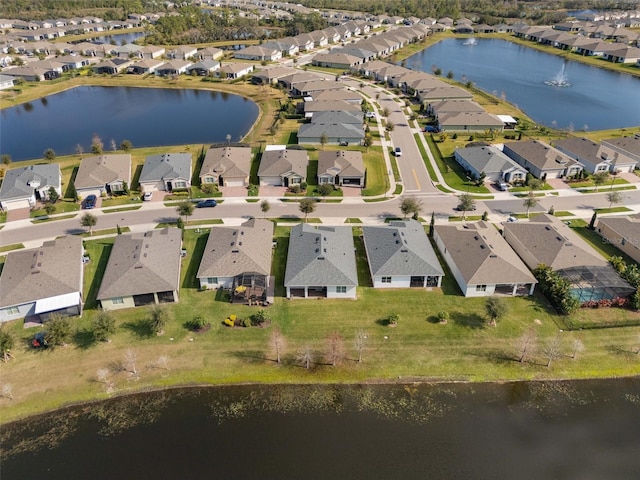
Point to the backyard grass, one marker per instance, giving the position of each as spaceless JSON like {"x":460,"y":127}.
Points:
{"x":466,"y":348}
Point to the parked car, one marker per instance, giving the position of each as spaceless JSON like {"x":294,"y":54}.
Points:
{"x":458,"y":209}
{"x":370,"y":114}
{"x":344,"y":144}
{"x":431,"y":129}
{"x":147,"y":196}
{"x":502,"y":186}
{"x":90,"y":202}
{"x":207,"y":203}
{"x":397,"y":152}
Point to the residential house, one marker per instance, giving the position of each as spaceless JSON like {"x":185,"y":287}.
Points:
{"x":334,"y":133}
{"x":6,"y":82}
{"x":203,"y":68}
{"x":232,"y":71}
{"x":336,"y":60}
{"x":288,"y":81}
{"x":469,"y":122}
{"x":624,"y":152}
{"x":145,"y":66}
{"x":112,"y":66}
{"x":226,"y":166}
{"x":152,"y":51}
{"x":546,"y":240}
{"x":166,"y":172}
{"x":239,"y":259}
{"x":307,"y":89}
{"x":319,"y":38}
{"x":183,"y":52}
{"x":447,"y":92}
{"x":31,"y":74}
{"x":143,"y":269}
{"x":23,"y":186}
{"x":286,"y":46}
{"x":281,"y":166}
{"x":344,"y":95}
{"x":270,"y":76}
{"x":210,"y":53}
{"x":622,"y":232}
{"x":259,"y":53}
{"x":586,"y":152}
{"x":481,"y":261}
{"x":337,"y":116}
{"x":342,"y":168}
{"x":173,"y":67}
{"x":400,"y":255}
{"x":542,"y":160}
{"x":490,"y":161}
{"x":321,"y":263}
{"x":452,"y":106}
{"x":38,"y":282}
{"x":103,"y":175}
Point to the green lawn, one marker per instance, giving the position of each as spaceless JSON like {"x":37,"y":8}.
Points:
{"x":607,"y":250}
{"x":121,"y":200}
{"x":62,"y":206}
{"x":51,"y":219}
{"x":589,"y":183}
{"x":123,"y":209}
{"x":613,"y":210}
{"x":8,"y":248}
{"x":453,"y":174}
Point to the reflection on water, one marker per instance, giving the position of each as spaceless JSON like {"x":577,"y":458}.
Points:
{"x":535,"y":430}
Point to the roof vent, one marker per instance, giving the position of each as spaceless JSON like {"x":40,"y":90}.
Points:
{"x":404,"y":250}
{"x":320,"y":258}
{"x":235,"y":251}
{"x":560,"y":239}
{"x":493,"y":255}
{"x":482,"y":247}
{"x":547,"y":227}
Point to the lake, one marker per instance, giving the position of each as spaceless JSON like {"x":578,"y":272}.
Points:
{"x":552,"y":430}
{"x":597,"y":98}
{"x":145,"y":116}
{"x":117,"y":38}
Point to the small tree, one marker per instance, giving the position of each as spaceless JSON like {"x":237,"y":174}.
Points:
{"x":88,"y":220}
{"x":49,"y":155}
{"x":323,"y":140}
{"x":277,"y":343}
{"x":385,"y":112}
{"x":126,"y":145}
{"x":360,"y":343}
{"x":104,"y":325}
{"x":50,"y":208}
{"x":432,"y":224}
{"x":158,"y":316}
{"x":53,"y":195}
{"x":335,"y":348}
{"x":552,"y":350}
{"x":526,"y":343}
{"x":96,"y":145}
{"x":551,"y":211}
{"x":443,"y":316}
{"x":325,"y":189}
{"x":599,"y":178}
{"x":592,"y":223}
{"x":130,"y":362}
{"x":185,"y":209}
{"x":58,"y":330}
{"x":114,"y":146}
{"x":163,"y":362}
{"x":265,"y":206}
{"x":410,"y":206}
{"x":393,"y":318}
{"x":102,"y":374}
{"x":6,"y":344}
{"x":613,"y":197}
{"x":307,"y":206}
{"x":530,"y":201}
{"x":125,"y":187}
{"x":467,"y":204}
{"x":578,"y":347}
{"x":496,"y":308}
{"x":6,"y":159}
{"x":390,"y":126}
{"x":305,"y":356}
{"x":7,"y":391}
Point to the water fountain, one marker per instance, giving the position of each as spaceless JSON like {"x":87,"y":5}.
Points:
{"x":560,"y":80}
{"x":471,"y":42}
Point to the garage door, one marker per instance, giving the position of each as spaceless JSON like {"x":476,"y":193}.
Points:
{"x":89,"y":191}
{"x":233,"y":182}
{"x":16,"y":204}
{"x":273,"y":181}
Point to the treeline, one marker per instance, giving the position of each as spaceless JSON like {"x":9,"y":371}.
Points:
{"x":51,"y":9}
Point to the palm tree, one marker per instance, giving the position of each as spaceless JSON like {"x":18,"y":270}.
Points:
{"x":89,"y":221}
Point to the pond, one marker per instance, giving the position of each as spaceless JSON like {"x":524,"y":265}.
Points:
{"x":145,"y":116}
{"x":597,"y":99}
{"x":117,"y":38}
{"x":581,"y":430}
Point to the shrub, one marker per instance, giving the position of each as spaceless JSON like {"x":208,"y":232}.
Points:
{"x":246,"y":322}
{"x":196,"y":323}
{"x":443,"y":316}
{"x":294,"y":189}
{"x":393,"y":318}
{"x":228,"y":322}
{"x":260,"y":317}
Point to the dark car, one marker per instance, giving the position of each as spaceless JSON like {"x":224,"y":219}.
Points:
{"x":431,"y":129}
{"x":458,"y":209}
{"x":207,"y":203}
{"x":90,"y":202}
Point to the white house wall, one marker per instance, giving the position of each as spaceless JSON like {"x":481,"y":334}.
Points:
{"x":107,"y":304}
{"x":350,"y":293}
{"x":397,"y":281}
{"x":223,"y":282}
{"x":23,"y":311}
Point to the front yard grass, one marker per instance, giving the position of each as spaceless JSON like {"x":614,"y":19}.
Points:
{"x":466,"y":348}
{"x":452,"y":172}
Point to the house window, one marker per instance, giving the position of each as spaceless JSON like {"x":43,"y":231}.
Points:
{"x":341,"y":289}
{"x":117,"y":301}
{"x":212,"y":280}
{"x":481,"y":288}
{"x":209,"y":180}
{"x":180,"y":185}
{"x":386,"y":279}
{"x":294,"y":181}
{"x":12,"y":310}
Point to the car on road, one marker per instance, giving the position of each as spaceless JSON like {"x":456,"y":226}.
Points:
{"x":397,"y":152}
{"x":90,"y":202}
{"x":147,"y":196}
{"x":458,"y":209}
{"x":207,"y":203}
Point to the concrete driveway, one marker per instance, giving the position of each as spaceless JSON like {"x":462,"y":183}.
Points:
{"x":18,"y":214}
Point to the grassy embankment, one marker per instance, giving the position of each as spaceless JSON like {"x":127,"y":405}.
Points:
{"x":419,"y":348}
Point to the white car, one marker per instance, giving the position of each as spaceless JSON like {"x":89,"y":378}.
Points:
{"x":397,"y":152}
{"x":370,"y":114}
{"x":147,"y":196}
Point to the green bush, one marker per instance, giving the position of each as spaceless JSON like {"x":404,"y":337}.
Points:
{"x":197,"y":323}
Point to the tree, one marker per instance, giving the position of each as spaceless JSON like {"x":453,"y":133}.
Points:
{"x":6,"y":159}
{"x":323,"y":139}
{"x":592,"y":223}
{"x":7,"y":391}
{"x":102,"y":374}
{"x":126,"y":145}
{"x":265,"y":206}
{"x":53,"y":195}
{"x":578,"y":346}
{"x":88,"y":220}
{"x":526,"y":343}
{"x":104,"y":325}
{"x":410,"y":205}
{"x":277,"y":343}
{"x":360,"y":343}
{"x":530,"y":201}
{"x":125,"y":187}
{"x":335,"y":348}
{"x":305,"y":356}
{"x":50,"y":208}
{"x":49,"y":155}
{"x":307,"y":206}
{"x":467,"y":204}
{"x":385,"y":112}
{"x":325,"y":189}
{"x":450,"y":75}
{"x":185,"y":209}
{"x":552,"y":350}
{"x":599,"y":179}
{"x":130,"y":362}
{"x":58,"y":330}
{"x":613,"y":197}
{"x":96,"y":145}
{"x":163,"y":362}
{"x":496,"y":308}
{"x":6,"y":344}
{"x":158,"y":316}
{"x":432,"y":224}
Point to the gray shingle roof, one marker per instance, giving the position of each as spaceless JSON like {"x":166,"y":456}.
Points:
{"x":401,"y":248}
{"x":103,"y":169}
{"x":232,"y":162}
{"x":346,"y":163}
{"x":51,"y":270}
{"x":482,"y":256}
{"x":625,"y":227}
{"x":539,"y":154}
{"x":333,"y":116}
{"x":143,"y":263}
{"x":166,"y":166}
{"x":231,"y":251}
{"x":21,"y":182}
{"x":331,"y":130}
{"x":320,"y":256}
{"x":487,"y":159}
{"x":280,"y":162}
